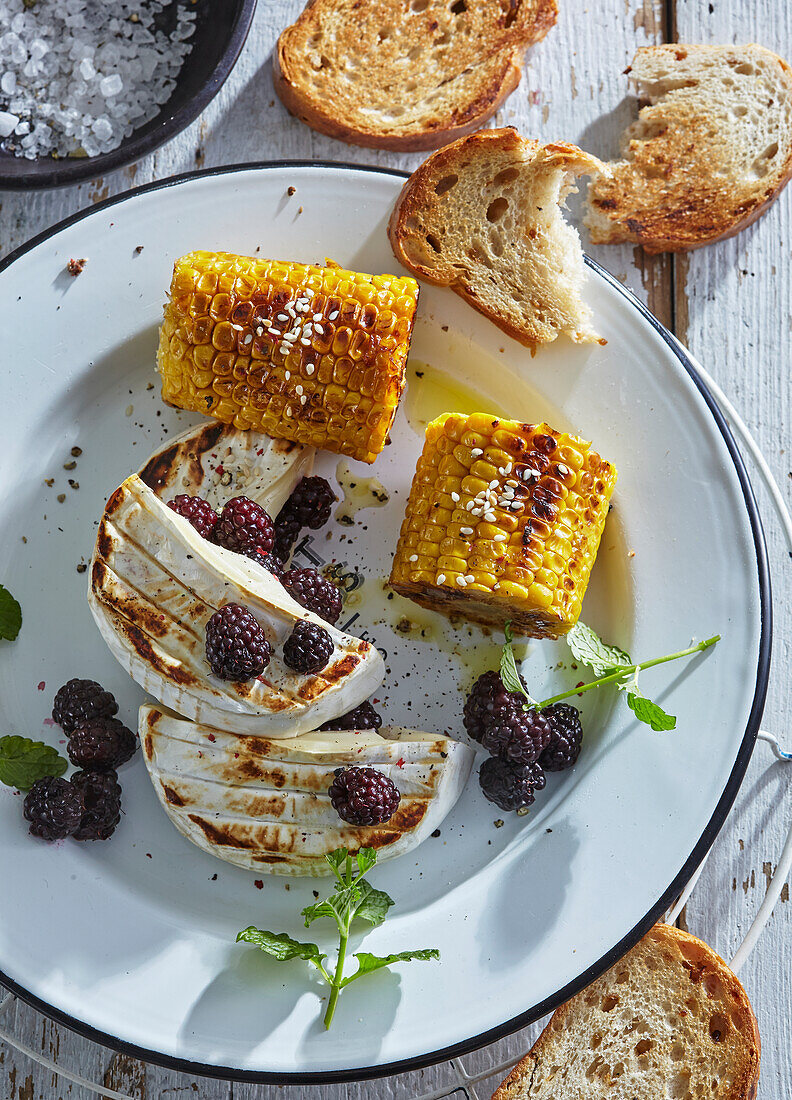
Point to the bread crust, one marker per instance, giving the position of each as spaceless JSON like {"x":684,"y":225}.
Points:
{"x":294,"y":91}
{"x":418,"y":195}
{"x":696,"y":212}
{"x":701,"y":962}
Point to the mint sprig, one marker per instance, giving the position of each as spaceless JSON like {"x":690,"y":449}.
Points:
{"x":353,"y":898}
{"x":508,"y":668}
{"x":612,"y":665}
{"x":10,"y":615}
{"x":23,"y":761}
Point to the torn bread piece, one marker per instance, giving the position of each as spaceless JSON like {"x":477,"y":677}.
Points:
{"x":155,"y":583}
{"x":706,"y":157}
{"x":263,"y":804}
{"x":405,"y":76}
{"x":483,"y":217}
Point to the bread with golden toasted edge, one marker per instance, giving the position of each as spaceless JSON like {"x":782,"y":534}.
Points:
{"x":669,"y":1019}
{"x":483,"y":217}
{"x":707,"y":155}
{"x":405,"y":74}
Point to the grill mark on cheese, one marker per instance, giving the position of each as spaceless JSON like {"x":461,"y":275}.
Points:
{"x":142,"y":646}
{"x":278,"y":699}
{"x":172,"y":797}
{"x":159,"y":470}
{"x":339,"y":669}
{"x":223,"y":837}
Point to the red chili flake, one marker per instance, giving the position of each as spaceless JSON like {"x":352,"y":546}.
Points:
{"x":260,"y":451}
{"x":210,"y":737}
{"x":236,"y":756}
{"x":41,"y":685}
{"x":258,"y":884}
{"x":220,"y":469}
{"x":148,"y":855}
{"x":200,"y":754}
{"x":400,"y":762}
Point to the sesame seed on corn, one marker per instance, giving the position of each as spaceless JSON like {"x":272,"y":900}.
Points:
{"x":519,"y":547}
{"x":240,"y":332}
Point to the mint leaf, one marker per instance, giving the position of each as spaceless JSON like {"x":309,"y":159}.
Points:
{"x":368,"y":963}
{"x":647,"y":711}
{"x":338,"y":861}
{"x":352,"y":897}
{"x":366,"y":858}
{"x":588,"y":648}
{"x":23,"y":761}
{"x":508,"y":668}
{"x":10,"y":615}
{"x":281,"y":945}
{"x":373,"y":905}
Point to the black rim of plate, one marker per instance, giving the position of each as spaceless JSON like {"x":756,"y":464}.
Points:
{"x":703,"y":844}
{"x":67,"y":172}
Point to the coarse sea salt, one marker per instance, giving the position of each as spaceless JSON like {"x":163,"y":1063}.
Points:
{"x":77,"y":77}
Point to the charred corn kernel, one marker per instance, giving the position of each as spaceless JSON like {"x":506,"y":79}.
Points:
{"x":506,"y":519}
{"x":311,"y":354}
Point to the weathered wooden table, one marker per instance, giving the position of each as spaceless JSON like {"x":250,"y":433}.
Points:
{"x":730,"y":303}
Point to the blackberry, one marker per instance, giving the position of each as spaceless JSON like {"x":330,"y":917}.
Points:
{"x":567,"y":735}
{"x":311,"y":503}
{"x":314,"y":592}
{"x":198,"y":511}
{"x":80,"y":700}
{"x":100,"y":744}
{"x":236,"y":646}
{"x":510,"y":786}
{"x":101,"y":795}
{"x":363,"y":796}
{"x":287,"y":530}
{"x":269,"y":561}
{"x":54,"y":808}
{"x":488,"y":702}
{"x":308,"y":648}
{"x":244,"y":525}
{"x":517,"y":735}
{"x":363,"y":717}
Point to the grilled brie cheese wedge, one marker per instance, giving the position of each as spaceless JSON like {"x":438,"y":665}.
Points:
{"x":217,"y":461}
{"x":263,"y":804}
{"x":154,"y":585}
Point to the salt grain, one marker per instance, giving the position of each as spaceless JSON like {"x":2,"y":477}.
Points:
{"x":78,"y":77}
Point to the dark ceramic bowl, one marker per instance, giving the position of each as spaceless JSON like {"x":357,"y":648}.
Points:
{"x":220,"y":32}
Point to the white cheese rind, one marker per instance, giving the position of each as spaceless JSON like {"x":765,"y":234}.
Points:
{"x":217,"y":461}
{"x":155,"y":583}
{"x":262,"y":804}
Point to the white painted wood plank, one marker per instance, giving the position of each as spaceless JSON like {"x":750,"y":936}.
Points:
{"x":739,"y":296}
{"x":22,"y":1079}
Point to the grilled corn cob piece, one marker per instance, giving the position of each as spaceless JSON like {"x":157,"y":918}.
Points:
{"x":311,"y":354}
{"x":503,"y":523}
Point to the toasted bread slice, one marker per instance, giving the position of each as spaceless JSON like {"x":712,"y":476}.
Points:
{"x":483,"y":217}
{"x":669,"y":1019}
{"x":405,"y":76}
{"x":708,"y":154}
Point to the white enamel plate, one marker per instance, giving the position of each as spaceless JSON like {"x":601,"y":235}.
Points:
{"x":132,"y":941}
